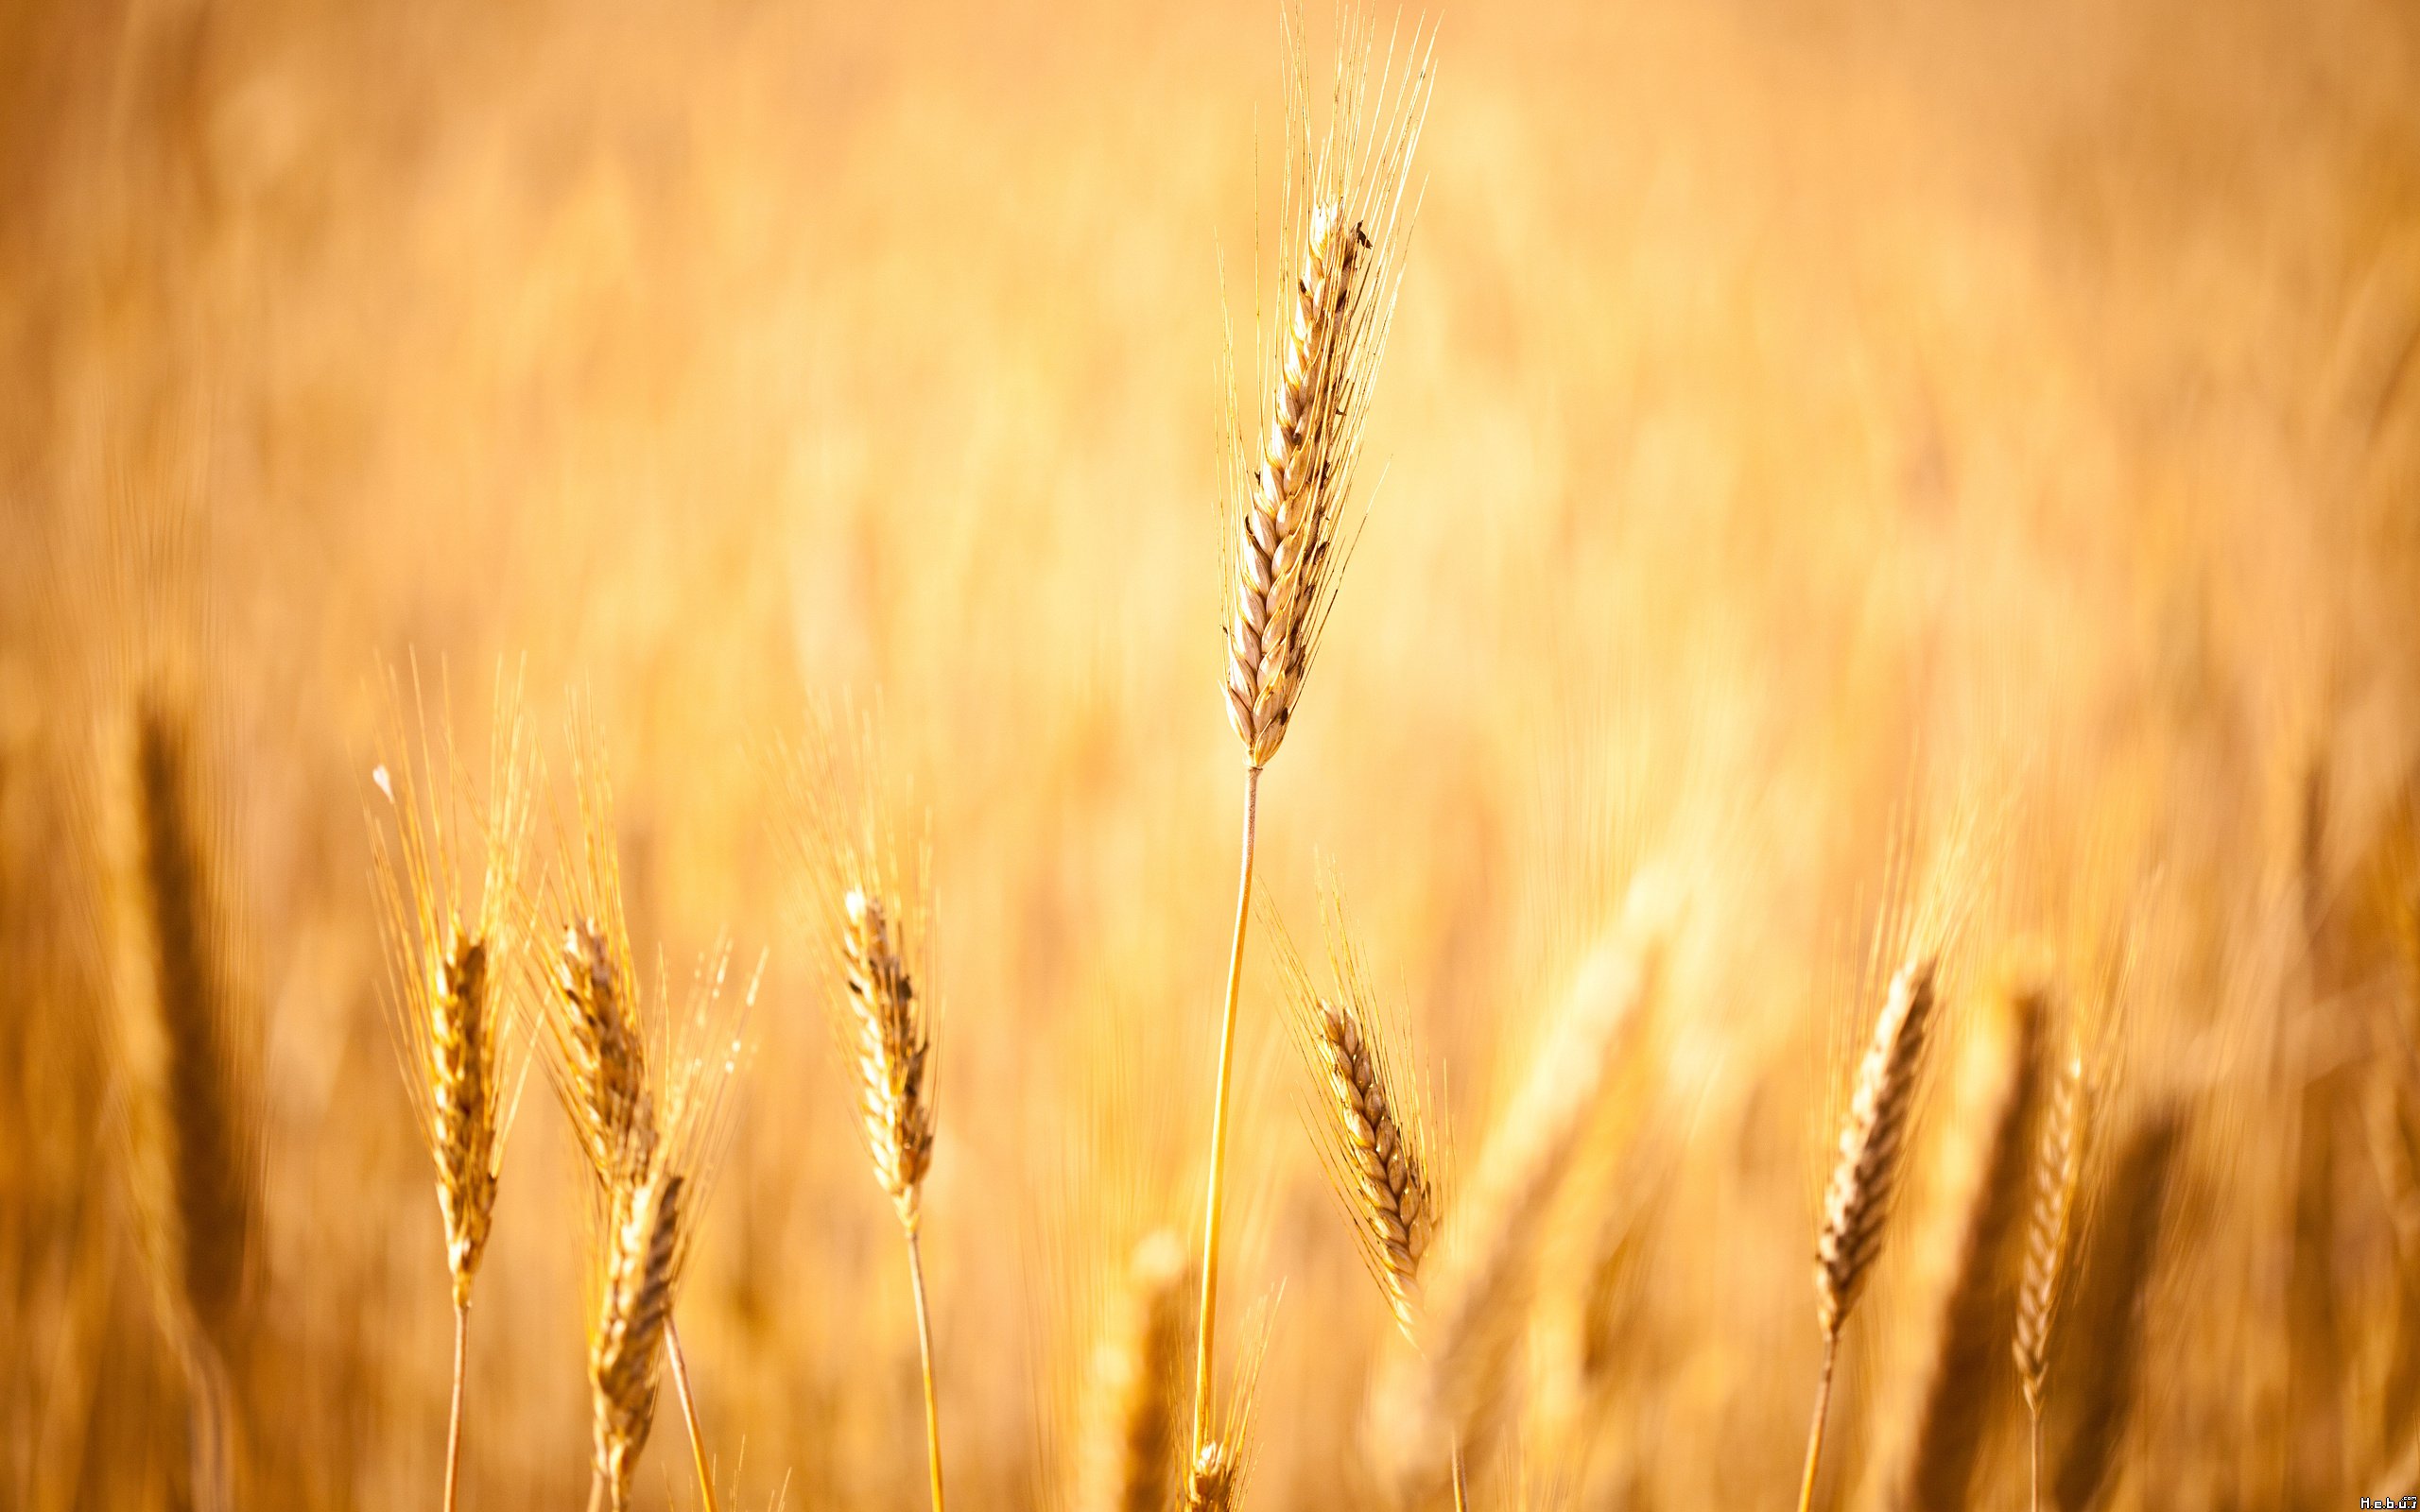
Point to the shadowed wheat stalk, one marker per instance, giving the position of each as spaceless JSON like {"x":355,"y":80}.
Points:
{"x":450,"y":999}
{"x":1977,"y":1209}
{"x":867,"y":906}
{"x":2050,"y":1244}
{"x":1347,"y":227}
{"x":1865,"y":1176}
{"x":190,"y":1126}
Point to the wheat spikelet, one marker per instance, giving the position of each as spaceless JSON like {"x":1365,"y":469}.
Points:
{"x":894,"y":1053}
{"x":2058,"y":1172}
{"x":1865,"y":1175}
{"x":1131,"y":1445}
{"x":1345,"y":246}
{"x":643,"y":1259}
{"x":870,"y":911}
{"x":1370,"y":1123}
{"x":450,"y":973}
{"x":1978,"y":1205}
{"x":601,"y":1052}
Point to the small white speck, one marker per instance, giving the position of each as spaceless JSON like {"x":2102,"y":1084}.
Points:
{"x":385,"y":784}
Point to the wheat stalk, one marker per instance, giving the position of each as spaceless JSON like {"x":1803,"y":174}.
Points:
{"x":1865,"y":1176}
{"x":1348,"y":228}
{"x":1130,"y":1443}
{"x":868,"y":908}
{"x":449,"y":1003}
{"x":190,"y":1128}
{"x":1978,"y":1210}
{"x":2058,"y":1173}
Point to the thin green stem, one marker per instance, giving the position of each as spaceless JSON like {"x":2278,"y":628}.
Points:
{"x":1206,"y":1337}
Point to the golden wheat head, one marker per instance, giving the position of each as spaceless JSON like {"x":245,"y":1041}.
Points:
{"x":863,"y":902}
{"x":1370,"y":1120}
{"x":452,"y":973}
{"x":647,"y":1216}
{"x":1865,"y":1174}
{"x":1347,"y":228}
{"x":597,"y":1046}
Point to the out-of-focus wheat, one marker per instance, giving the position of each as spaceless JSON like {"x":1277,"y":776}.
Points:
{"x":181,"y":1040}
{"x":1967,"y":1248}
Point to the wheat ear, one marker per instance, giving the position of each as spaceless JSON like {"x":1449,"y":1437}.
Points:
{"x":449,"y":1001}
{"x":1348,"y":227}
{"x":648,"y":1218}
{"x":189,"y":1123}
{"x":866,"y":904}
{"x":1131,"y":1442}
{"x":2058,"y":1174}
{"x":1865,"y":1176}
{"x":1977,"y":1208}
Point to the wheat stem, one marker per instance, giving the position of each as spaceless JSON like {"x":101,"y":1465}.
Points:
{"x":1461,"y":1490}
{"x":2033,"y":1447}
{"x":925,"y":1352}
{"x":1205,"y":1339}
{"x":689,"y":1412}
{"x":1815,"y":1429}
{"x":454,"y":1418}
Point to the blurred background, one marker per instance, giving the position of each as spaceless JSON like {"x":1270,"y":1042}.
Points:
{"x":1809,"y":432}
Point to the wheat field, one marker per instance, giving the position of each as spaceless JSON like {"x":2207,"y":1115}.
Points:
{"x":1837,"y":922}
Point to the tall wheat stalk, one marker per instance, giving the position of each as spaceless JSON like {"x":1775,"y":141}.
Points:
{"x":450,"y":997}
{"x":2051,"y":1226}
{"x":1346,"y":231}
{"x":866,"y":904}
{"x":1865,"y":1178}
{"x":1966,"y":1249}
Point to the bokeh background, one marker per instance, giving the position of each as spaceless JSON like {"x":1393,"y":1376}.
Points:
{"x":1811,"y":435}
